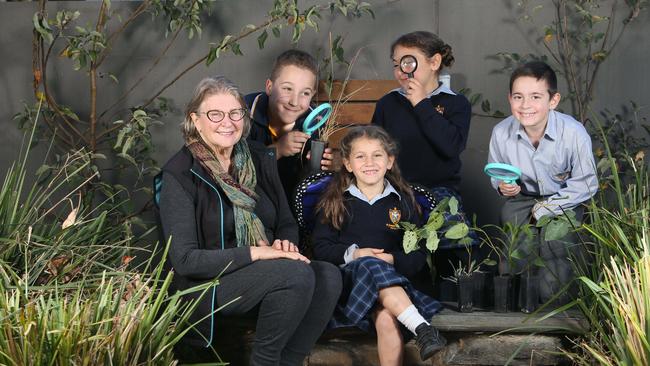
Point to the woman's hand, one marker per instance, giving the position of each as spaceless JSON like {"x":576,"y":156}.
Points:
{"x":285,"y":245}
{"x":290,"y":143}
{"x":508,"y":189}
{"x":263,"y":252}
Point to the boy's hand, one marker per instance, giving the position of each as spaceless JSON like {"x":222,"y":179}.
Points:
{"x":290,"y":143}
{"x":508,"y":189}
{"x":415,"y":92}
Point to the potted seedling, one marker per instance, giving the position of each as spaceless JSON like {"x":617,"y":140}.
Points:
{"x":325,"y":117}
{"x":456,"y":231}
{"x":507,"y":247}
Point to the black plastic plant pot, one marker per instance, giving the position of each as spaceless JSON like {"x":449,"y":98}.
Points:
{"x":528,"y":293}
{"x":317,"y":150}
{"x":513,"y":297}
{"x":479,"y":289}
{"x":466,"y":293}
{"x":502,"y":291}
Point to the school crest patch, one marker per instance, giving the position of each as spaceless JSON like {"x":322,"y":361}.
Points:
{"x":440,"y":109}
{"x":394,"y":215}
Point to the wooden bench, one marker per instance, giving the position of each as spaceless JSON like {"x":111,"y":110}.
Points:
{"x":359,"y":96}
{"x":477,"y":338}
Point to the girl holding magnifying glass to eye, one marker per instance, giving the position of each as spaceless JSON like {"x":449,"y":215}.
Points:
{"x":429,"y":121}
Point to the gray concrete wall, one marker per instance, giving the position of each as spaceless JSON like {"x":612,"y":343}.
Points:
{"x":474,"y":28}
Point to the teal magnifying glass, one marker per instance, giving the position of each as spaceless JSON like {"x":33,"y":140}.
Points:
{"x":504,"y":172}
{"x":316,"y":118}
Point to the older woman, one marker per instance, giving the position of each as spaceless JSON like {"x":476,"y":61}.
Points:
{"x":222,"y":203}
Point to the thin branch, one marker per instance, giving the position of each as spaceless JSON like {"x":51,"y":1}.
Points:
{"x":101,"y":21}
{"x":197,"y":62}
{"x":109,"y":40}
{"x":603,"y":47}
{"x":153,"y":65}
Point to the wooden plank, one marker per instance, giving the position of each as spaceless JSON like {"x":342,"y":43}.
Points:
{"x":354,"y":113}
{"x":357,"y":90}
{"x":514,"y":322}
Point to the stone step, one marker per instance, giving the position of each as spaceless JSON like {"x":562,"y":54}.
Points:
{"x":466,"y":349}
{"x":476,"y":338}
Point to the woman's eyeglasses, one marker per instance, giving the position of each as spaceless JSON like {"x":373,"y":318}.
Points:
{"x":216,"y":115}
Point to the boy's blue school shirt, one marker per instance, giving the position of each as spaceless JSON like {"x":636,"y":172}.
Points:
{"x":561,"y":169}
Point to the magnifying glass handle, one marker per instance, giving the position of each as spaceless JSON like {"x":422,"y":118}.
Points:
{"x":410,"y":75}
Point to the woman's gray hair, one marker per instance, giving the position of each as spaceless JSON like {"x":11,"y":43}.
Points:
{"x":209,"y":86}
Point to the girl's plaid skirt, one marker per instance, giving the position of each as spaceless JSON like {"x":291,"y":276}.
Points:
{"x":362,"y":280}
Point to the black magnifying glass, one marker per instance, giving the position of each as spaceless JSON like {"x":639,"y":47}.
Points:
{"x":408,"y":64}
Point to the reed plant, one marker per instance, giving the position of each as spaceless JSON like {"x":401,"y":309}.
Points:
{"x":69,"y":293}
{"x":615,"y":287}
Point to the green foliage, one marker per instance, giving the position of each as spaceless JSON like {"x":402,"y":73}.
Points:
{"x":509,"y":243}
{"x":615,"y":284}
{"x":433,"y":227}
{"x":581,"y":35}
{"x":69,"y":292}
{"x":117,"y":141}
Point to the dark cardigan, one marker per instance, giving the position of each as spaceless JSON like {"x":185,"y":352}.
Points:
{"x":431,"y":136}
{"x":196,"y":254}
{"x":366,"y":226}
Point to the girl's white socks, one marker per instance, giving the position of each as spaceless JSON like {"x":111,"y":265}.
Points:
{"x":411,"y":318}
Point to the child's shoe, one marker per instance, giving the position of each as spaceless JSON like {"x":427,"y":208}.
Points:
{"x":429,"y":340}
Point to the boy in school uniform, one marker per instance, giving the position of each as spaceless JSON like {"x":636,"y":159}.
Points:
{"x":279,"y":111}
{"x":553,"y":152}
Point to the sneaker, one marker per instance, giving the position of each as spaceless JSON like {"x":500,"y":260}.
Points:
{"x":429,"y":340}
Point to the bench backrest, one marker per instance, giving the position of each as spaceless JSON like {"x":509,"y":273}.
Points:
{"x":360,"y":97}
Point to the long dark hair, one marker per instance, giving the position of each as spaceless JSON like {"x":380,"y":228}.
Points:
{"x":331,"y":203}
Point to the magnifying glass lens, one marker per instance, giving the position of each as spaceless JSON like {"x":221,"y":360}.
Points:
{"x":408,"y":64}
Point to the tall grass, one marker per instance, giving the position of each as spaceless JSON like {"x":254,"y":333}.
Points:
{"x":67,"y":293}
{"x":615,"y":287}
{"x":126,"y":319}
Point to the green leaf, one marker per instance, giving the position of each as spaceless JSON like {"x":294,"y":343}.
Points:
{"x":262,"y":39}
{"x":485,"y":106}
{"x":539,"y":262}
{"x":457,"y":231}
{"x":544,"y":220}
{"x":236,"y":49}
{"x":410,"y":241}
{"x":276,"y":32}
{"x":516,"y":254}
{"x":432,"y":241}
{"x":490,"y":262}
{"x":556,"y":230}
{"x":44,"y":168}
{"x":453,"y":205}
{"x":212,"y":55}
{"x":474,"y":98}
{"x":407,"y":226}
{"x":436,"y":220}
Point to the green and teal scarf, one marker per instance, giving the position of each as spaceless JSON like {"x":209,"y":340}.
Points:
{"x":239,"y":188}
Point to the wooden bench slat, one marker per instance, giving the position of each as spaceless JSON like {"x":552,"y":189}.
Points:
{"x":354,"y":113}
{"x":357,"y":90}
